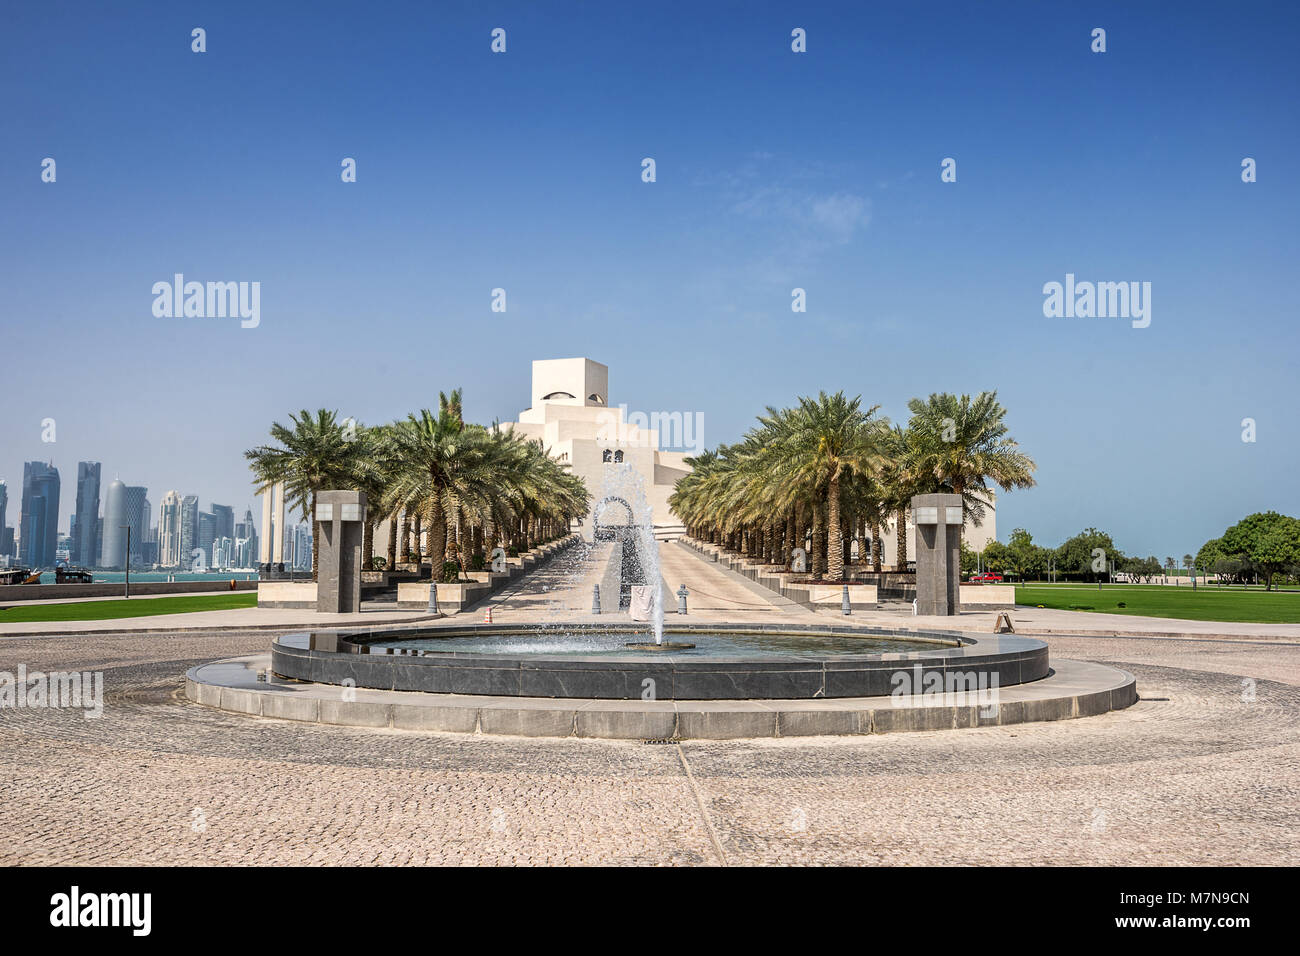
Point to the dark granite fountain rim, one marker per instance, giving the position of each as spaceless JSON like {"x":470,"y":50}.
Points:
{"x":989,"y":647}
{"x":329,"y":657}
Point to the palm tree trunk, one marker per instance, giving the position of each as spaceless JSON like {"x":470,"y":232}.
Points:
{"x":367,"y":545}
{"x":818,"y":539}
{"x":900,"y":536}
{"x":835,"y":533}
{"x":437,"y":536}
{"x":875,"y":546}
{"x":419,"y":525}
{"x":789,"y":544}
{"x":392,"y":543}
{"x":406,"y":535}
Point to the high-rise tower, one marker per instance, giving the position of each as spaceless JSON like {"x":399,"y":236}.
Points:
{"x":114,"y":555}
{"x":169,"y":530}
{"x":86,"y":532}
{"x":38,"y":530}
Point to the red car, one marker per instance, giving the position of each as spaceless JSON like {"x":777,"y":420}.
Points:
{"x":988,"y":576}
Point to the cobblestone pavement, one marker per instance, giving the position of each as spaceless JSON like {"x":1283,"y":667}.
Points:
{"x":1195,"y":773}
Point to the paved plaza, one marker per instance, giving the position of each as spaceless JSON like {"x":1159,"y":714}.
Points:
{"x":1204,"y":769}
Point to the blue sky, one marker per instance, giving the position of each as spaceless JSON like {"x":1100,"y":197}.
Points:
{"x":775,"y":170}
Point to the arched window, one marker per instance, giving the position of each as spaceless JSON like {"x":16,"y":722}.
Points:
{"x":606,"y":455}
{"x":553,"y":395}
{"x":593,"y":397}
{"x":618,"y":456}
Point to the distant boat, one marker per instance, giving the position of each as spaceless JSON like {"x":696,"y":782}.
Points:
{"x":67,"y":575}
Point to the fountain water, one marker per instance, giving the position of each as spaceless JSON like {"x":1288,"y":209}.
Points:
{"x":622,"y":485}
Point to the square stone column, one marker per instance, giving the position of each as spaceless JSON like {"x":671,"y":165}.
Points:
{"x":277,"y":532}
{"x":938,"y":520}
{"x":340,"y":522}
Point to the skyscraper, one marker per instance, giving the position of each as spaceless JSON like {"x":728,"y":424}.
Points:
{"x":225,"y":516}
{"x":245,"y":531}
{"x":189,"y":529}
{"x":207,"y":534}
{"x":301,"y":547}
{"x":169,"y":530}
{"x":4,"y":528}
{"x":114,"y":556}
{"x":38,"y":528}
{"x":137,"y":516}
{"x":85,"y":532}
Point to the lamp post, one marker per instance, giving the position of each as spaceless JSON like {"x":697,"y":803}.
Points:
{"x":126,"y":561}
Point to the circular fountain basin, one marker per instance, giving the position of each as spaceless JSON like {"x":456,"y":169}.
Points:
{"x":733,"y":643}
{"x":727,"y":662}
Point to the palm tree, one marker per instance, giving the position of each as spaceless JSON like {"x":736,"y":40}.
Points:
{"x":900,"y":482}
{"x":813,"y":464}
{"x":315,"y":454}
{"x":832,"y":440}
{"x":373,"y":474}
{"x":445,"y":469}
{"x":827,"y":467}
{"x":433,"y":469}
{"x":961,"y":443}
{"x":438,"y":462}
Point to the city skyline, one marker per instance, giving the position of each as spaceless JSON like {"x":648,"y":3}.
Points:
{"x":101,"y":541}
{"x":65,"y":515}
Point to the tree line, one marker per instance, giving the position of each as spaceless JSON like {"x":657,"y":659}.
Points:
{"x":1260,"y":546}
{"x":451,"y":491}
{"x":1265,"y":543}
{"x":826,"y":470}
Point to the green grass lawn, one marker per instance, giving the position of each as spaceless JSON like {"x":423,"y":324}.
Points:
{"x":134,"y":607}
{"x":1204,"y":604}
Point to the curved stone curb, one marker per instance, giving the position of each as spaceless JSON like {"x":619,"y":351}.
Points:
{"x":1074,"y":689}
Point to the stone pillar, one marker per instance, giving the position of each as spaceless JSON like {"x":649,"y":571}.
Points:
{"x":340,"y":517}
{"x":264,"y":542}
{"x":938,"y":521}
{"x":277,"y":505}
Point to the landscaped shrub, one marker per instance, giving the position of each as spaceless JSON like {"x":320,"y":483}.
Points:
{"x":476,"y":561}
{"x":450,"y":572}
{"x":380,"y":563}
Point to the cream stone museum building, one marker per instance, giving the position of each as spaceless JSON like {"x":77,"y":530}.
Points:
{"x":572,"y":416}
